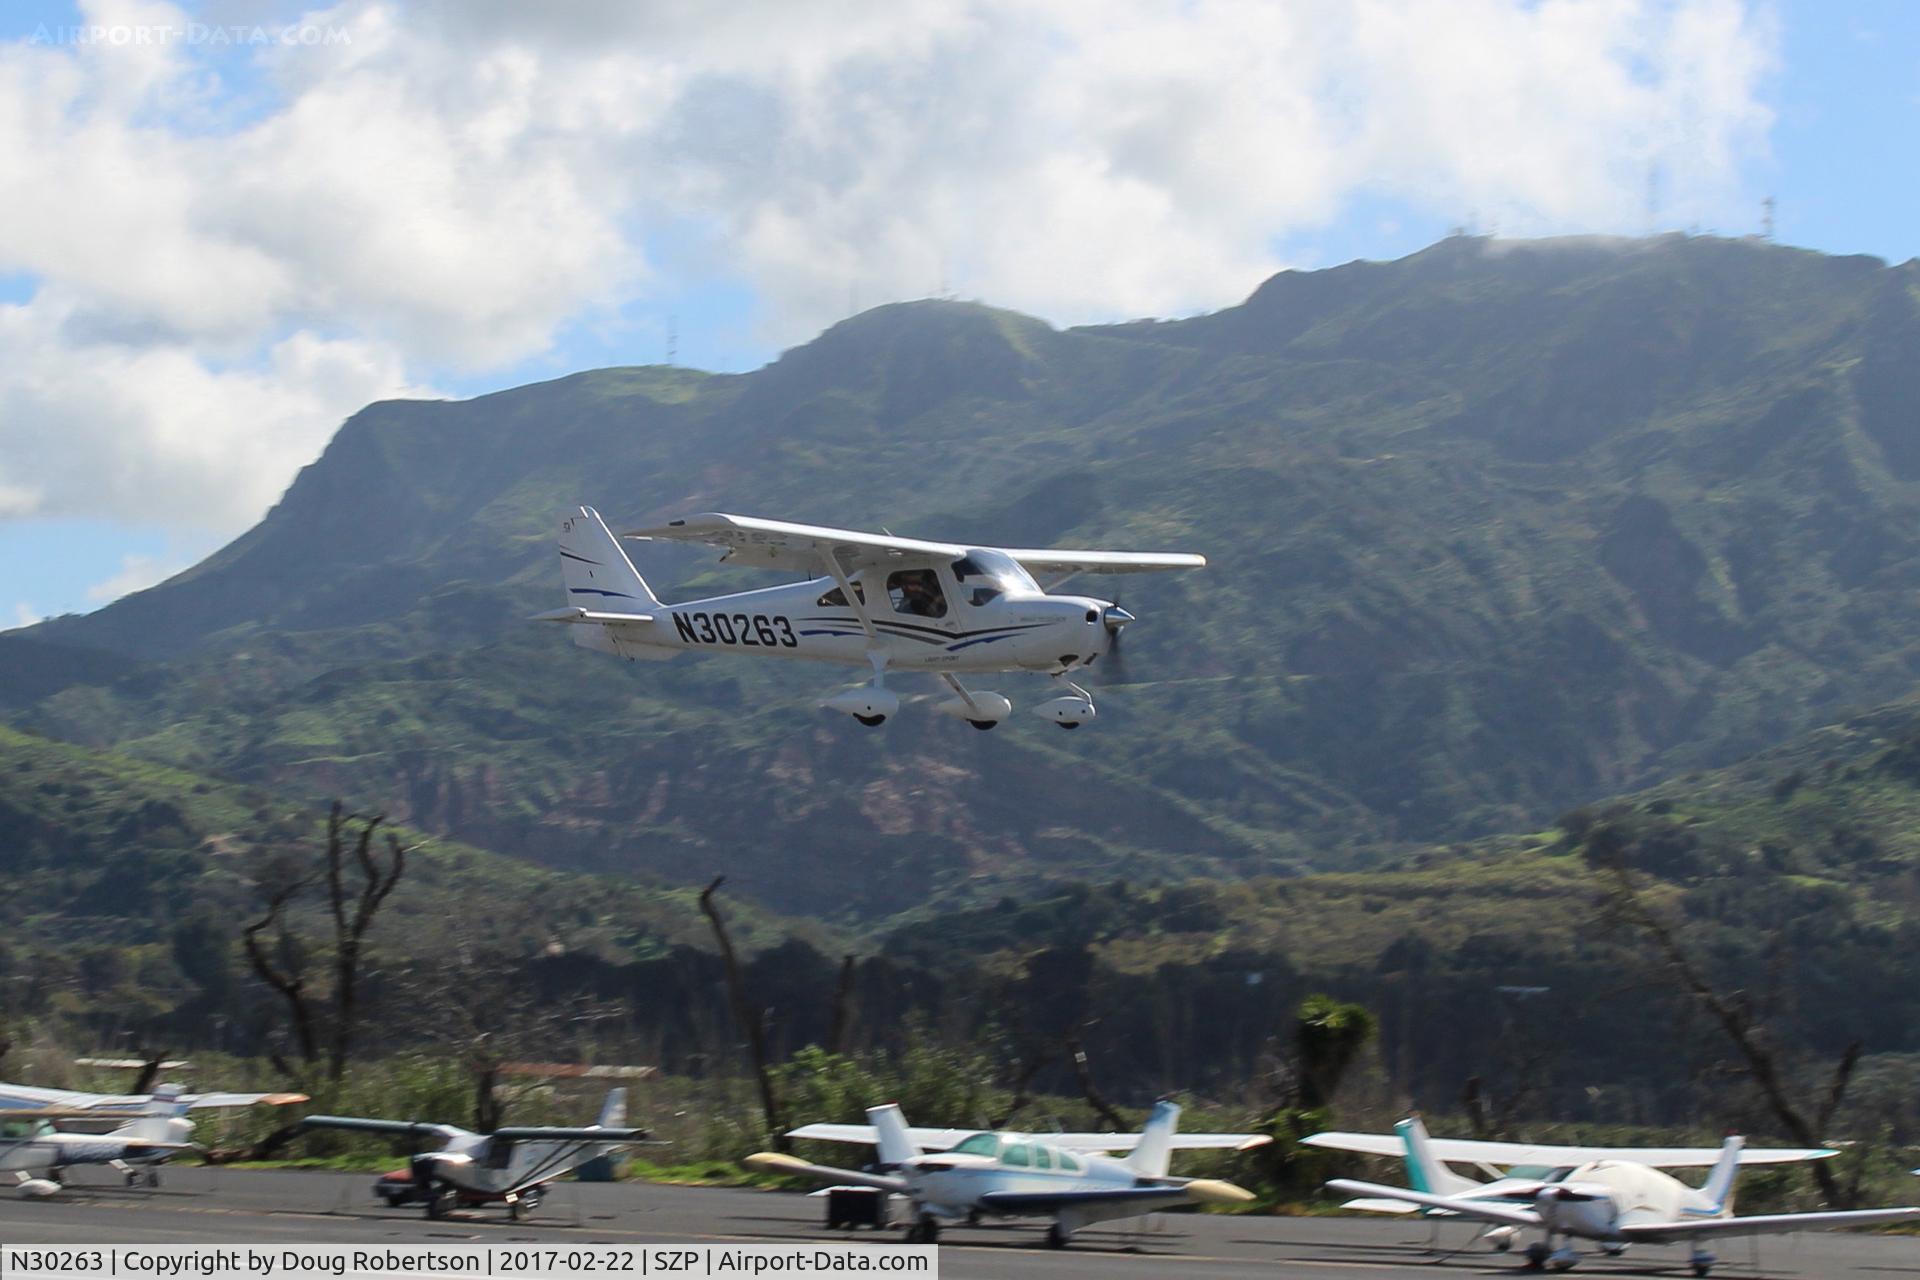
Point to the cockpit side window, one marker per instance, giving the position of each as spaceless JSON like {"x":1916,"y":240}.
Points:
{"x":980,"y":1144}
{"x":1017,"y":1156}
{"x":1071,"y":1163}
{"x":1042,"y":1158}
{"x":837,"y":599}
{"x":984,"y":576}
{"x":917,"y":592}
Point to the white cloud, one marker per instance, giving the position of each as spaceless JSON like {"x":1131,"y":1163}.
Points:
{"x":240,"y":245}
{"x":24,"y":614}
{"x":137,"y":573}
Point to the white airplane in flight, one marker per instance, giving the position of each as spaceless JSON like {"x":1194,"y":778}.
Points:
{"x":509,"y":1167}
{"x":961,"y":1174}
{"x":895,"y":604}
{"x":1620,"y":1202}
{"x":36,"y":1153}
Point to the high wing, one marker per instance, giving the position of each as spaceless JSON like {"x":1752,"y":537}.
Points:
{"x":947,"y":1139}
{"x":805,"y":548}
{"x":14,"y":1097}
{"x":772,"y":1162}
{"x":1765,"y":1224}
{"x":400,"y":1128}
{"x":1510,"y":1154}
{"x":1507,"y":1215}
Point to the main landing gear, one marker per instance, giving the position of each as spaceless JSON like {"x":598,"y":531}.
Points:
{"x":924,"y":1229}
{"x":1056,"y":1236}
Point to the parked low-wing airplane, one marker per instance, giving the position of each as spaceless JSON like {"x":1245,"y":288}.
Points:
{"x":896,"y":604}
{"x":1512,"y":1168}
{"x":509,"y":1167}
{"x":966,"y":1174}
{"x":1620,"y":1202}
{"x":35,"y":1152}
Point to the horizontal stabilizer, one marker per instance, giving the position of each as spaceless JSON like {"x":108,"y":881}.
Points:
{"x":1506,"y":1215}
{"x":1370,"y":1205}
{"x":592,"y":615}
{"x":773,"y":1162}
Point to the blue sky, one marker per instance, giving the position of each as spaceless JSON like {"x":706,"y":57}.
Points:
{"x":737,"y":224}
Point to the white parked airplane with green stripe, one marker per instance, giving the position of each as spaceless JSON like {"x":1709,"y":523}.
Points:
{"x":1617,"y":1196}
{"x":871,"y":600}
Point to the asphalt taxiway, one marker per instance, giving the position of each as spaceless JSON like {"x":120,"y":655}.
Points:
{"x":227,"y":1206}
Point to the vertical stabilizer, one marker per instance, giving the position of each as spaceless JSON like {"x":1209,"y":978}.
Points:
{"x":894,"y":1143}
{"x":596,"y":569}
{"x":613,"y":1112}
{"x":1424,"y":1171}
{"x":1151,"y":1156}
{"x":1718,"y":1191}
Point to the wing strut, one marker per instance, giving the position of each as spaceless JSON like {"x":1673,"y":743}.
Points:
{"x":855,"y":601}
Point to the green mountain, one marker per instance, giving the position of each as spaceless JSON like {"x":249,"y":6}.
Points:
{"x":1494,"y":529}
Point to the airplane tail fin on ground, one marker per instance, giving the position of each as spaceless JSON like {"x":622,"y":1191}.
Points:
{"x":1425,"y":1172}
{"x":613,"y":1112}
{"x":1719,"y":1185}
{"x":1150,"y":1158}
{"x":892,"y":1142}
{"x":162,"y":1119}
{"x":596,"y":569}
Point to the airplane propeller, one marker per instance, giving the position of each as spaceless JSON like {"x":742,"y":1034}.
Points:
{"x":1116,"y":620}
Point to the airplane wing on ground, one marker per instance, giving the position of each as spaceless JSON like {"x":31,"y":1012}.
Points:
{"x":1765,"y":1224}
{"x":1507,"y":1215}
{"x":772,"y":1162}
{"x":947,"y":1139}
{"x":1201,"y":1190}
{"x":778,"y":544}
{"x":1177,"y":1142}
{"x":1510,"y":1154}
{"x":399,"y":1128}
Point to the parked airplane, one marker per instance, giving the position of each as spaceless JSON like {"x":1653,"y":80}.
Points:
{"x":962,"y":1174}
{"x":1512,"y":1167}
{"x":36,"y":1153}
{"x":1621,"y":1202}
{"x":509,"y":1167}
{"x":896,"y":604}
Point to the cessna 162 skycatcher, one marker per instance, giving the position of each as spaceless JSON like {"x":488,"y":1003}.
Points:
{"x":896,"y":604}
{"x":509,"y":1167}
{"x":959,"y":1174}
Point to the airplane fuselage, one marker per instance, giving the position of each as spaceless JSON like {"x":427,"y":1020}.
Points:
{"x":1034,"y":632}
{"x":1596,"y":1200}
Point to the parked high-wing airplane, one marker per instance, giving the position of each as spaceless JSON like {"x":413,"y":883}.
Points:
{"x":510,"y":1166}
{"x":895,"y":604}
{"x":1512,"y":1168}
{"x":965,"y":1174}
{"x":35,"y":1152}
{"x":1621,"y":1202}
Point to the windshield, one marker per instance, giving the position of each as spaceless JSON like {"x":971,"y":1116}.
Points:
{"x":985,"y":575}
{"x":980,"y":1144}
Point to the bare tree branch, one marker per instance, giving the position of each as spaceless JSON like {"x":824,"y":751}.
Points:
{"x":748,"y":1019}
